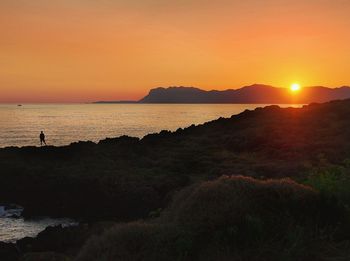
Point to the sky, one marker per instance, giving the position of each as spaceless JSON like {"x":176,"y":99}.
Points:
{"x":81,"y":51}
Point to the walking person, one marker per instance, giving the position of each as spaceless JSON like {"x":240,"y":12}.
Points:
{"x":42,"y":138}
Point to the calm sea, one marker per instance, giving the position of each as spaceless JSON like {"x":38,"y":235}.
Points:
{"x":66,"y":123}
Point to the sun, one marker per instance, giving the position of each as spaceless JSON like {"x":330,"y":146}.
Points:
{"x":295,"y":87}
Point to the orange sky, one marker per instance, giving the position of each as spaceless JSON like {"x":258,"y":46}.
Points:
{"x":86,"y":50}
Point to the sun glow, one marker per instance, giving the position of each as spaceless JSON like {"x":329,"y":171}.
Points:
{"x":295,"y":87}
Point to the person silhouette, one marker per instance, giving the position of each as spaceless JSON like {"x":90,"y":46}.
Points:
{"x":42,"y":138}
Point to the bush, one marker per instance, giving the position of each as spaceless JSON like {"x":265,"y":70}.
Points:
{"x":231,"y":199}
{"x":222,"y":219}
{"x":333,"y":182}
{"x":239,"y":212}
{"x":138,"y":241}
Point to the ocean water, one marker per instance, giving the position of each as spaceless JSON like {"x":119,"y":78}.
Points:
{"x":67,"y":123}
{"x":12,"y":229}
{"x":15,"y":228}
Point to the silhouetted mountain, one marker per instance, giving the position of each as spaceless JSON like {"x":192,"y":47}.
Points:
{"x":256,"y":93}
{"x":107,"y":102}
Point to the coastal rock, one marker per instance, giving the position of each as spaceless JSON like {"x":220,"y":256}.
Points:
{"x":8,"y":252}
{"x":45,"y":256}
{"x":59,"y":239}
{"x":126,"y":179}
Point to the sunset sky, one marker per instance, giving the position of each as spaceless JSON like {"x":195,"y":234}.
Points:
{"x":77,"y":51}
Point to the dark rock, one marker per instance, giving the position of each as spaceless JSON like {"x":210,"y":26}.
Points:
{"x":8,"y":252}
{"x":65,"y":240}
{"x":25,"y":244}
{"x":45,"y":256}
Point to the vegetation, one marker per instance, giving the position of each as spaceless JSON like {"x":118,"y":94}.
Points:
{"x":231,"y":218}
{"x":332,"y":181}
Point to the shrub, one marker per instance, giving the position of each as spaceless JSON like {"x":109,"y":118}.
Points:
{"x":222,"y":219}
{"x":332,"y":181}
{"x":138,"y":241}
{"x":241,"y":212}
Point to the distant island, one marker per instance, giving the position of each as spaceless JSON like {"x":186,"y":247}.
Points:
{"x":103,"y":102}
{"x":253,"y":94}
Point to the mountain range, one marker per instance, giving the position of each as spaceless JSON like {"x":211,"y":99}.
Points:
{"x":256,"y":93}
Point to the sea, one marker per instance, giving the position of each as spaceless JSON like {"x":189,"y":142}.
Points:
{"x":14,"y":227}
{"x":20,"y":125}
{"x":66,"y":123}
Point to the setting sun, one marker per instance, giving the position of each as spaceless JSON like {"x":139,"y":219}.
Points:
{"x":295,"y":87}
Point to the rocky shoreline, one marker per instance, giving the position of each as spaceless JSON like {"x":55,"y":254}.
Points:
{"x":273,"y":158}
{"x":54,"y":243}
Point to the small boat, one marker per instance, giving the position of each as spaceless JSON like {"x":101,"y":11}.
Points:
{"x":19,"y":105}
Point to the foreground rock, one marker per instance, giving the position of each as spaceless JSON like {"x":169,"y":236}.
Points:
{"x":54,"y":243}
{"x":8,"y":252}
{"x":45,"y":256}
